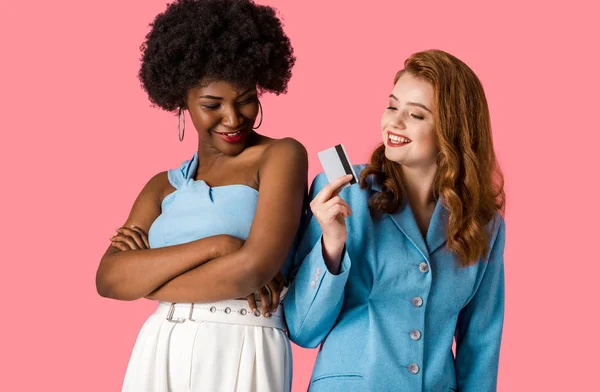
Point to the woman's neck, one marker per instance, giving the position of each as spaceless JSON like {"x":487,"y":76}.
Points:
{"x":418,"y":185}
{"x":209,"y":157}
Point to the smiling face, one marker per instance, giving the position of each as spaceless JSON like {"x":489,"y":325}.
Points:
{"x":223,"y":114}
{"x":407,"y":124}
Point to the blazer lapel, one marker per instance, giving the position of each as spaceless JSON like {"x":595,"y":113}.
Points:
{"x":436,"y":234}
{"x":406,"y":222}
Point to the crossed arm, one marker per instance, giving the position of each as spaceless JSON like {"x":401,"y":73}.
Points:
{"x":212,"y":269}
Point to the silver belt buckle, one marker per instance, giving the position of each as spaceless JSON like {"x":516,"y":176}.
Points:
{"x":191,"y":312}
{"x":170,"y":315}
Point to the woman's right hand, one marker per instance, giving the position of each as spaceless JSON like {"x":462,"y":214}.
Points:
{"x":270,"y":296}
{"x":331,"y":212}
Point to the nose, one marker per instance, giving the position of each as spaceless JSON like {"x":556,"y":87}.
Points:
{"x":397,"y":122}
{"x":231,"y":118}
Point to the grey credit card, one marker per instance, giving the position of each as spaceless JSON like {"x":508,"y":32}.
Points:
{"x":335,"y":163}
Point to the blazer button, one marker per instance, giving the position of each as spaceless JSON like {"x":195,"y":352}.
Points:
{"x":417,"y":301}
{"x":424,"y":267}
{"x":313,"y":284}
{"x":415,"y":334}
{"x":413,"y":368}
{"x":319,"y":270}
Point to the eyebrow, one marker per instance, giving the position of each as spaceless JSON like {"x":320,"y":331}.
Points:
{"x":411,"y":103}
{"x":221,"y":98}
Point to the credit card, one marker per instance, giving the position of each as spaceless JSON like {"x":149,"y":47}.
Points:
{"x":335,"y":163}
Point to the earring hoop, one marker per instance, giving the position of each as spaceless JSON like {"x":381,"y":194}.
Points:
{"x":180,"y":134}
{"x":261,"y":116}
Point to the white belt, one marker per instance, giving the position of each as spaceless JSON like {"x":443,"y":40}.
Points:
{"x":228,"y":312}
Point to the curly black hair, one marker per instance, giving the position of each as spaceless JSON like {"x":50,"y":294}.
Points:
{"x":232,"y":40}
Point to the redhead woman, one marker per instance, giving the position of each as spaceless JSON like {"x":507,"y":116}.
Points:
{"x":396,"y":268}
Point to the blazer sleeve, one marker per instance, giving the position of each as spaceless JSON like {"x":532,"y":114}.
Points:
{"x":479,"y":327}
{"x":314,"y":300}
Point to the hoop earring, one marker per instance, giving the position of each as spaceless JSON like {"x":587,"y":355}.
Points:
{"x":180,"y":134}
{"x":261,"y":116}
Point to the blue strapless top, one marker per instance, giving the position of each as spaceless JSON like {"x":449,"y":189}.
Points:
{"x":196,"y":210}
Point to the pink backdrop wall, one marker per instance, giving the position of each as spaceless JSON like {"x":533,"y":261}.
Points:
{"x":79,"y":140}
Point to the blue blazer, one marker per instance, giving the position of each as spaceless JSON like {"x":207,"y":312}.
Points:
{"x":387,"y":321}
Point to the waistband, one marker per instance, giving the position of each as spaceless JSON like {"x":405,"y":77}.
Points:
{"x":228,"y":312}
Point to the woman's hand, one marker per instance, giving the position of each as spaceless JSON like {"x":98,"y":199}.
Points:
{"x":331,"y":212}
{"x":130,"y":238}
{"x":269,"y":296}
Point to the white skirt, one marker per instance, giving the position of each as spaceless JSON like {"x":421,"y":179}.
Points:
{"x":211,"y":347}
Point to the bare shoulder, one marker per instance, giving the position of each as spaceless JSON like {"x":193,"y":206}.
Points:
{"x":159,"y":186}
{"x":284,"y":160}
{"x":286,"y":149}
{"x":147,"y":205}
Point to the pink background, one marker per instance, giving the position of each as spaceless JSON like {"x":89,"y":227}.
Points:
{"x":79,"y":140}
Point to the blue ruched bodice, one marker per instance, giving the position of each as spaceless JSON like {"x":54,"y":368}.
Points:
{"x":195,"y":210}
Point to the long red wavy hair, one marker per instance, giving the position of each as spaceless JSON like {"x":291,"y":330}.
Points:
{"x":468,"y":178}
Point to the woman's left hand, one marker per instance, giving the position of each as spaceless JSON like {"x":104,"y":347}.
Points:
{"x":269,"y":296}
{"x":130,"y":238}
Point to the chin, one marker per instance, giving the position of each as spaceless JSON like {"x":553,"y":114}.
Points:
{"x":395,"y":157}
{"x":233,"y":150}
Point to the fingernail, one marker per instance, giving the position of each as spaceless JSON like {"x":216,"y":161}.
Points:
{"x":134,"y":226}
{"x":267,"y":314}
{"x":254,"y":310}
